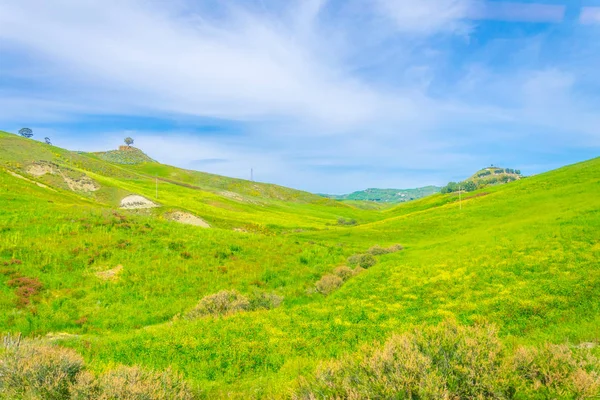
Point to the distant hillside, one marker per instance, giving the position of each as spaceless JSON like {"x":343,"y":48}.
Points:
{"x":387,"y":195}
{"x":484,"y":177}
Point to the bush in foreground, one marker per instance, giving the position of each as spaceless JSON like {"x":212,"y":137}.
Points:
{"x":31,"y":370}
{"x":453,"y":362}
{"x":131,"y":383}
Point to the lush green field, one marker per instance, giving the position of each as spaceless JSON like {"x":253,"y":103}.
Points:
{"x":523,"y":256}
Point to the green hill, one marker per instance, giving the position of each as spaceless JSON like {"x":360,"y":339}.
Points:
{"x":387,"y":195}
{"x":489,"y":176}
{"x":514,"y":269}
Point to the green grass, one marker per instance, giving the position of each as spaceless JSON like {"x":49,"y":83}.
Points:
{"x":524,"y":256}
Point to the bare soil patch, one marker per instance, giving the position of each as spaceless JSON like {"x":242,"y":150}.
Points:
{"x":134,"y":201}
{"x":110,"y":274}
{"x":187,"y":218}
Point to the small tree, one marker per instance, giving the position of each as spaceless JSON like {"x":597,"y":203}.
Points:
{"x":128,"y":141}
{"x":26,"y":132}
{"x":47,"y":140}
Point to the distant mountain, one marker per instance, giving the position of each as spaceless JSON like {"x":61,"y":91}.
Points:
{"x":387,"y":195}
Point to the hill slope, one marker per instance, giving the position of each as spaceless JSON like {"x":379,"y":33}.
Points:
{"x":119,"y":286}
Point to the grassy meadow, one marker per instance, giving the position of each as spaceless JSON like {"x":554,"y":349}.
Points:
{"x":117,"y":286}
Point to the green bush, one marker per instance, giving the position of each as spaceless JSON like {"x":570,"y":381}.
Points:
{"x":328,"y":284}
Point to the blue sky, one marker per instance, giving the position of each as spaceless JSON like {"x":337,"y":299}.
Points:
{"x":327,"y":96}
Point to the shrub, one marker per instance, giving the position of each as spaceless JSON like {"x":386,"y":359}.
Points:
{"x":395,"y":248}
{"x":377,"y":250}
{"x":131,"y":383}
{"x":362,"y":260}
{"x":446,"y":361}
{"x":454,"y":362}
{"x":28,"y":370}
{"x":261,"y":300}
{"x":555,"y":370}
{"x":221,"y":303}
{"x":344,"y":273}
{"x":328,"y":284}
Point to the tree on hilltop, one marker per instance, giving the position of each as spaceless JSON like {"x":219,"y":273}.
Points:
{"x":47,"y":140}
{"x":128,"y":141}
{"x":26,"y":132}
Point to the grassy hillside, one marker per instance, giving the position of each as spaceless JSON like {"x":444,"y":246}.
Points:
{"x":387,"y":195}
{"x":118,"y":286}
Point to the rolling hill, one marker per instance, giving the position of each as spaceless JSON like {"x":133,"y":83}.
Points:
{"x":387,"y":195}
{"x":505,"y":283}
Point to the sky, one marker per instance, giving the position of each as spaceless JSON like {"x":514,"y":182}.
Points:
{"x":328,"y":96}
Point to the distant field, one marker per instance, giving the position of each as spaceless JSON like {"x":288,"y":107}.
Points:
{"x":118,"y":285}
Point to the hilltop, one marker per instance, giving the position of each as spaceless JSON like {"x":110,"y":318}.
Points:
{"x":387,"y":195}
{"x":125,"y":155}
{"x":489,"y":296}
{"x":485,"y":177}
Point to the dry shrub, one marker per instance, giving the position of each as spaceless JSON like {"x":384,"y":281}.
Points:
{"x":362,"y":260}
{"x":228,"y":302}
{"x":328,"y":284}
{"x":262,"y":300}
{"x":377,"y":250}
{"x":344,"y":273}
{"x":554,"y":370}
{"x":29,"y":370}
{"x":454,"y":362}
{"x":357,"y":270}
{"x":447,"y":361}
{"x":131,"y":383}
{"x":222,"y":303}
{"x":395,"y":248}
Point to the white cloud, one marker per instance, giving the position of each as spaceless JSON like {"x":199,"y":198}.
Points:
{"x":343,"y":91}
{"x":427,"y":16}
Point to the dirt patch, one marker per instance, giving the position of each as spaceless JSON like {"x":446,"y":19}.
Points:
{"x":187,"y":218}
{"x":83,"y":184}
{"x":110,"y":274}
{"x":135,"y":201}
{"x":41,"y":169}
